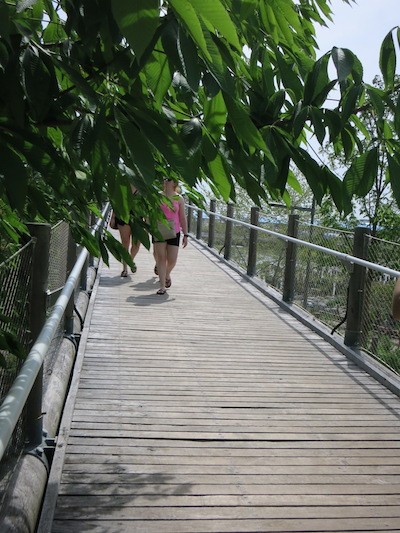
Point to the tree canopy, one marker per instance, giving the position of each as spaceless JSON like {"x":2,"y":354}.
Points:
{"x":98,"y":94}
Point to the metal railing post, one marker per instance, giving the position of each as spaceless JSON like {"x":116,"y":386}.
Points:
{"x":199,"y":225}
{"x":355,"y":302}
{"x":252,"y":259}
{"x":71,"y":260}
{"x":38,"y":304}
{"x":211,"y":224}
{"x":228,"y":232}
{"x":290,"y":265}
{"x":83,"y":283}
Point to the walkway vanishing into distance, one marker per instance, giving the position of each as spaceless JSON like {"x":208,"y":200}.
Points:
{"x":212,"y":410}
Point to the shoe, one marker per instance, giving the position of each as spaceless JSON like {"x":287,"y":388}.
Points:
{"x":134,"y":269}
{"x":168,"y":283}
{"x":156,"y":270}
{"x":124,"y":274}
{"x":161,"y":291}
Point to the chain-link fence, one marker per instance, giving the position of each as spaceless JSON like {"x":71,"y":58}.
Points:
{"x":57,"y":276}
{"x":15,"y":288}
{"x":271,"y":250}
{"x":381,"y":336}
{"x":321,"y":281}
{"x":15,"y":309}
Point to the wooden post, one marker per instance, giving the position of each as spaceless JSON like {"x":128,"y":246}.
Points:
{"x":228,"y":232}
{"x":199,"y":225}
{"x":252,"y":259}
{"x":355,"y":303}
{"x":38,"y":308}
{"x":211,"y":224}
{"x":190,"y":217}
{"x":290,"y":266}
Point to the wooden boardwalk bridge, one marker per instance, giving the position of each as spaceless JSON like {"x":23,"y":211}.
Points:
{"x":210,"y":409}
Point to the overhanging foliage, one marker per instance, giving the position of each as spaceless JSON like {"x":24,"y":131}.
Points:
{"x":96,"y":94}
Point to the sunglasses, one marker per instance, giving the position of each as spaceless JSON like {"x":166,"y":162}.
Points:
{"x":168,"y":179}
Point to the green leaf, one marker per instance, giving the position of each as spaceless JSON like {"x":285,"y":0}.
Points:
{"x":15,"y":177}
{"x":192,"y":135}
{"x":336,"y":188}
{"x":244,"y":127}
{"x":189,"y":60}
{"x":158,"y":75}
{"x":220,"y":176}
{"x":186,"y":13}
{"x":80,"y":134}
{"x":293,"y":182}
{"x":387,"y":60}
{"x":39,"y":201}
{"x":344,"y":62}
{"x":10,"y":343}
{"x":317,"y":119}
{"x":318,"y":85}
{"x":299,"y":119}
{"x":347,"y":142}
{"x":394,"y":176}
{"x":217,"y":15}
{"x":217,"y":65}
{"x":349,"y":101}
{"x":396,"y":118}
{"x":215,"y":115}
{"x":37,"y":83}
{"x":5,"y":24}
{"x":289,"y":77}
{"x":311,"y":170}
{"x":74,"y":77}
{"x":360,"y":177}
{"x":376,"y":98}
{"x":138,"y":146}
{"x":163,"y":137}
{"x":137,"y":21}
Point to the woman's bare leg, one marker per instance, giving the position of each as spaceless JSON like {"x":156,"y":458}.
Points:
{"x":125,"y":233}
{"x":172,"y":257}
{"x":160,"y":249}
{"x":135,"y":245}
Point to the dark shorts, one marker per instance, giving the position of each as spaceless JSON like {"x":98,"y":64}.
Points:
{"x":120,"y":222}
{"x":172,"y":242}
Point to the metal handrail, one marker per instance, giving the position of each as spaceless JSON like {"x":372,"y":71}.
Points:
{"x":344,"y":257}
{"x":14,"y":402}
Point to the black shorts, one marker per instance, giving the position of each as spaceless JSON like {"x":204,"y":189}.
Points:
{"x":172,"y":242}
{"x":120,"y":222}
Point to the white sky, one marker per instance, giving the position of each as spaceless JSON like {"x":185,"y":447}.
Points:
{"x":361,"y":28}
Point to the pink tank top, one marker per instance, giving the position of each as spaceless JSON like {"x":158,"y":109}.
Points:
{"x":172,"y":214}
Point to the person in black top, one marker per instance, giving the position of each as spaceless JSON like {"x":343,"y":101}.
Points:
{"x":128,"y":242}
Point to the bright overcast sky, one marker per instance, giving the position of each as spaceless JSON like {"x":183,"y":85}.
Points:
{"x":361,"y":27}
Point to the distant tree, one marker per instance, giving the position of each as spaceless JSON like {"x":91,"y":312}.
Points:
{"x":378,"y":144}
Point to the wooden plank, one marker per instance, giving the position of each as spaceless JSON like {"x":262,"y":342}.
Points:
{"x":326,"y":525}
{"x":211,"y":410}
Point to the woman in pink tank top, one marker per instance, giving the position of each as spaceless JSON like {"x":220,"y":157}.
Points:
{"x":166,"y":251}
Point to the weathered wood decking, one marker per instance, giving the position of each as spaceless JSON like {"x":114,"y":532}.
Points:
{"x":211,"y":410}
